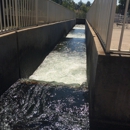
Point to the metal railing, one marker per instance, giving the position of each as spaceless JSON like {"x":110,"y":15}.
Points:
{"x":101,"y":17}
{"x":58,"y":12}
{"x":17,"y":14}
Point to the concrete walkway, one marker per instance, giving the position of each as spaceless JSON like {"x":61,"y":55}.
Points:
{"x":116,"y":38}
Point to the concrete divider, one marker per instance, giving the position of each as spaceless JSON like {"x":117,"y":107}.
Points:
{"x":9,"y":66}
{"x":80,"y":21}
{"x":22,"y":52}
{"x":109,"y":85}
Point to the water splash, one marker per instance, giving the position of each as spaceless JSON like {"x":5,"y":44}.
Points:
{"x":32,"y":105}
{"x":67,"y":62}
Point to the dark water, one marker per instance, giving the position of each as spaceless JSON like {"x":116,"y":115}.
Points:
{"x":32,"y":105}
{"x":35,"y":105}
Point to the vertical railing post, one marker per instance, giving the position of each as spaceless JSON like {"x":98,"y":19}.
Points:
{"x":110,"y":26}
{"x":48,"y":2}
{"x":1,"y":25}
{"x":13,"y":6}
{"x":23,"y":12}
{"x":27,"y":13}
{"x":7,"y":14}
{"x":36,"y":9}
{"x":123,"y":26}
{"x":16,"y":13}
{"x":10,"y":14}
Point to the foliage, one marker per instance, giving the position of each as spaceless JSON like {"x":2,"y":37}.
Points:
{"x":68,"y":4}
{"x":80,"y":8}
{"x":121,"y":7}
{"x":58,"y":1}
{"x":88,"y":4}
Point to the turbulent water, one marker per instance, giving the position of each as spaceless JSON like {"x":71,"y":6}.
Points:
{"x":67,"y":62}
{"x":55,"y":105}
{"x":32,"y":105}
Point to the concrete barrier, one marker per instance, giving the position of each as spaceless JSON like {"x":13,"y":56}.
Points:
{"x":109,"y":85}
{"x":21,"y":52}
{"x":9,"y":66}
{"x":80,"y":21}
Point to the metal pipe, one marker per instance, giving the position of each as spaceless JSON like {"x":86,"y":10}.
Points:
{"x":1,"y":25}
{"x":48,"y":13}
{"x":27,"y":13}
{"x":16,"y":12}
{"x":10,"y":14}
{"x":36,"y":11}
{"x":3,"y":7}
{"x":23,"y":13}
{"x":33,"y":14}
{"x":18,"y":8}
{"x":13,"y":6}
{"x":7,"y":14}
{"x":110,"y":26}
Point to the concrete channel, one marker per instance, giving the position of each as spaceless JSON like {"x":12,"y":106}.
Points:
{"x":56,"y":95}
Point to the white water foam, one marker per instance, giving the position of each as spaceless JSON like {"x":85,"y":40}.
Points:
{"x":67,"y":66}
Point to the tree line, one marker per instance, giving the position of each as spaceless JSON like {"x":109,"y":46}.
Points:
{"x":79,"y":8}
{"x":120,"y":9}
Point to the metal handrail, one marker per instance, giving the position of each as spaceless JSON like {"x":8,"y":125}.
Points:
{"x":101,"y":17}
{"x":17,"y":14}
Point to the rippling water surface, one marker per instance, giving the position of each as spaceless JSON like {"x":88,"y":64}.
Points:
{"x":32,"y":105}
{"x":67,"y":62}
{"x":51,"y":104}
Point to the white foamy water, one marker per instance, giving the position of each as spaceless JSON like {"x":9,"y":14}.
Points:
{"x":67,"y":62}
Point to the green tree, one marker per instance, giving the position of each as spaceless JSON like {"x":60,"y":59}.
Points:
{"x":80,"y":8}
{"x":121,"y":6}
{"x":88,"y":4}
{"x":58,"y":1}
{"x":84,"y":8}
{"x":80,"y":3}
{"x":68,"y":4}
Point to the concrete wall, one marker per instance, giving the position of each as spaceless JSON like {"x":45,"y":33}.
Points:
{"x":22,"y":52}
{"x":9,"y":66}
{"x":80,"y":21}
{"x":109,"y":85}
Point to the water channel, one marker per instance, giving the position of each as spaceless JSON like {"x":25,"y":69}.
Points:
{"x":55,"y":96}
{"x":67,"y":62}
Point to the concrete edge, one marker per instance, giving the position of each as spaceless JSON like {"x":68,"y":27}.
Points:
{"x":100,"y":50}
{"x":13,"y":52}
{"x":108,"y":83}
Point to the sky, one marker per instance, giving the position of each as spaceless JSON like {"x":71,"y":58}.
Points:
{"x":84,"y":1}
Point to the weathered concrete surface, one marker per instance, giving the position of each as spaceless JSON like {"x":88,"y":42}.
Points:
{"x":109,"y":84}
{"x":9,"y":67}
{"x":22,"y":52}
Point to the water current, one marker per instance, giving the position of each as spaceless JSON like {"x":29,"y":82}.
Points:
{"x":67,"y":62}
{"x":59,"y":101}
